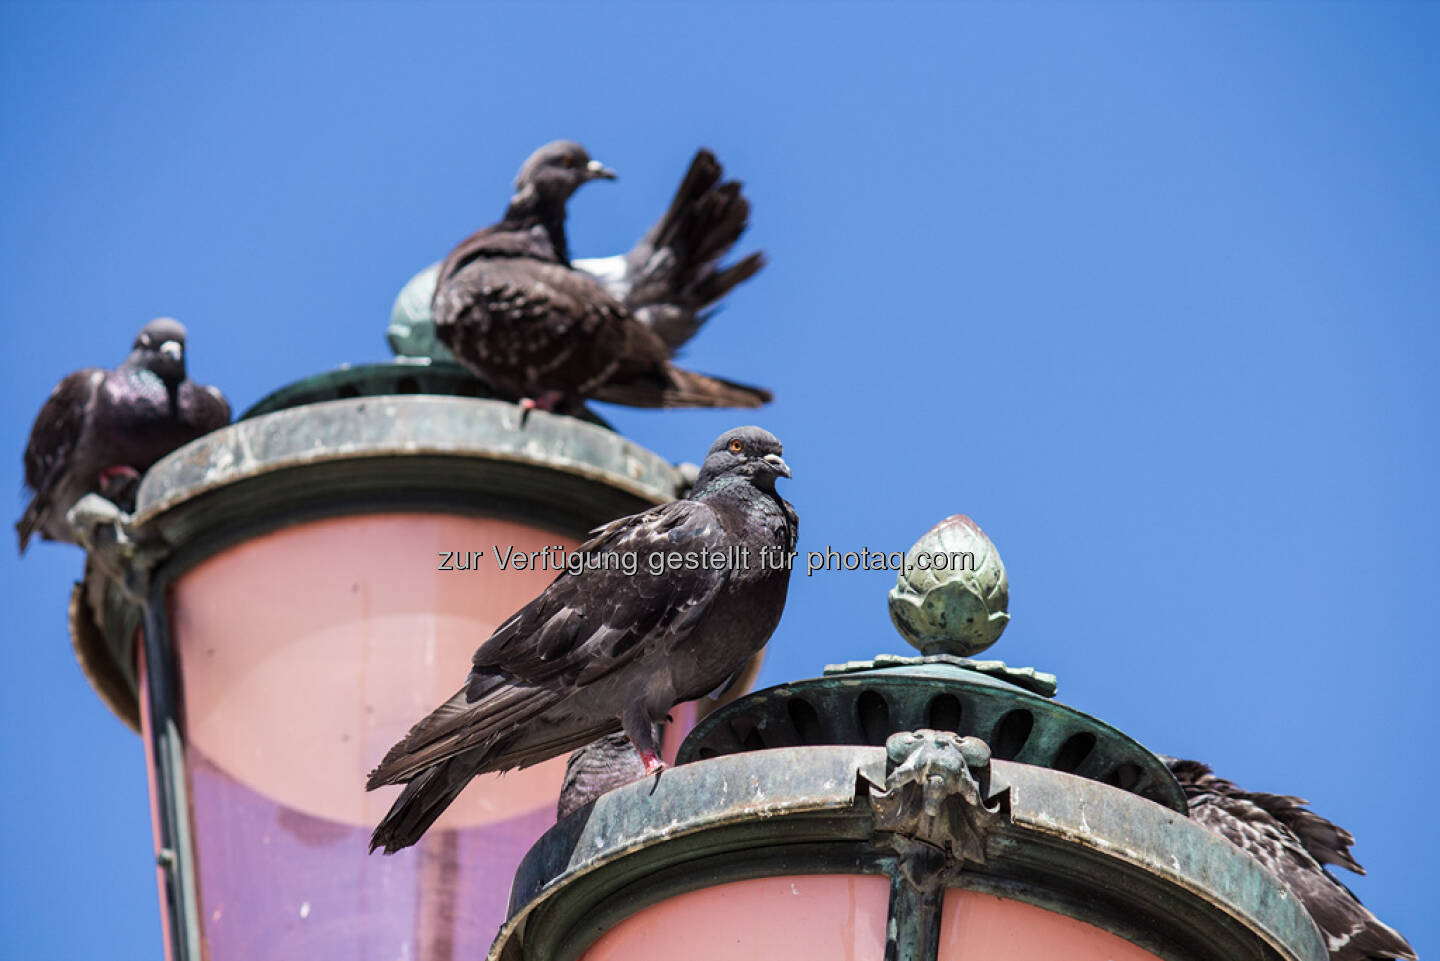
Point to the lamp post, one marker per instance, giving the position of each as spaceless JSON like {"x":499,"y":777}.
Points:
{"x":905,"y":809}
{"x":301,"y":587}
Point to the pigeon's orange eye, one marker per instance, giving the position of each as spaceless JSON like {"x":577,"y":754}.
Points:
{"x":736,"y":446}
{"x":568,"y":161}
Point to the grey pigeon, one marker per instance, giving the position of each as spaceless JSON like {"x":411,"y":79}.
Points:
{"x":1293,"y":843}
{"x":99,"y":430}
{"x":671,"y":601}
{"x":510,"y":307}
{"x":672,"y":278}
{"x":600,"y":766}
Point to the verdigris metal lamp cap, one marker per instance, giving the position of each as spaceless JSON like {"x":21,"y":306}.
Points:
{"x":951,"y":595}
{"x":412,"y":327}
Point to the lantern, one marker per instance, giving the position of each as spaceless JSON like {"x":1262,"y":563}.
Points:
{"x":300,"y":588}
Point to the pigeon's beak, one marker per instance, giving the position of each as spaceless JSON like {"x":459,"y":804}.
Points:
{"x":173,"y":351}
{"x":777,"y":464}
{"x":595,"y":170}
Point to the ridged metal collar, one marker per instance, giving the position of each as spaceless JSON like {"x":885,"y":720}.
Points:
{"x":410,"y":448}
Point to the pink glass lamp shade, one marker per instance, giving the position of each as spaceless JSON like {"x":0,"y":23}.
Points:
{"x":842,"y":917}
{"x":839,"y":917}
{"x":288,"y":705}
{"x":298,"y":625}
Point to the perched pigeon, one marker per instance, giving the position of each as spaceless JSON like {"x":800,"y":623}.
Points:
{"x":600,"y":766}
{"x":99,"y":430}
{"x":670,"y":602}
{"x":509,"y":306}
{"x":673,"y":275}
{"x":1293,"y":843}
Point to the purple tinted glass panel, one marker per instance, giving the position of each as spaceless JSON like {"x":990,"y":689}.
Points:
{"x":278,"y":884}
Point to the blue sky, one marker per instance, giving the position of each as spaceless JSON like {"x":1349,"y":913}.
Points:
{"x":1148,"y":290}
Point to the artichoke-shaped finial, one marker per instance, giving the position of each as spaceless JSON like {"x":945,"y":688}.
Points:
{"x":951,"y":596}
{"x":412,"y":327}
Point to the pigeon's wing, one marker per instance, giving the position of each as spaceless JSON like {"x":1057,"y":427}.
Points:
{"x":639,"y":595}
{"x":1252,"y":829}
{"x":494,"y":242}
{"x":53,"y":438}
{"x":529,"y":321}
{"x":58,"y":427}
{"x":583,"y":627}
{"x":204,"y":408}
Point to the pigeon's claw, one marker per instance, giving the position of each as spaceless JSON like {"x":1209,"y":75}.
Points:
{"x":652,"y":762}
{"x":548,"y":401}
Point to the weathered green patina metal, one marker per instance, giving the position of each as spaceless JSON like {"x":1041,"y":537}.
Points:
{"x":400,"y":377}
{"x":412,"y":326}
{"x":931,"y":812}
{"x":397,"y":377}
{"x":866,"y":703}
{"x":956,"y":607}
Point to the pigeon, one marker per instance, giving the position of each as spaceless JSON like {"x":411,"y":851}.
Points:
{"x":670,"y":278}
{"x":667,"y":604}
{"x":512,"y":309}
{"x":1293,"y":843}
{"x":600,"y":766}
{"x":99,"y":430}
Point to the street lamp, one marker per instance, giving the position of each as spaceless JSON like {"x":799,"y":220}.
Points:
{"x":301,"y":587}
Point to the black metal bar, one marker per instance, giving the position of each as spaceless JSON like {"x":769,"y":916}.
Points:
{"x":912,"y":932}
{"x":176,"y":855}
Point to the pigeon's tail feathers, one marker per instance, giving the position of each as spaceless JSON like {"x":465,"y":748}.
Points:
{"x":424,"y":799}
{"x":683,"y":388}
{"x":677,"y":322}
{"x":689,"y":389}
{"x":478,"y":719}
{"x":679,"y":229}
{"x":673,"y":325}
{"x":673,"y":272}
{"x":717,"y":284}
{"x":30,"y":521}
{"x":433,"y":789}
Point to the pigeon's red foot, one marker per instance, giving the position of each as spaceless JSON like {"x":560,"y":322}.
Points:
{"x":116,"y":472}
{"x":547,"y":401}
{"x":652,"y":762}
